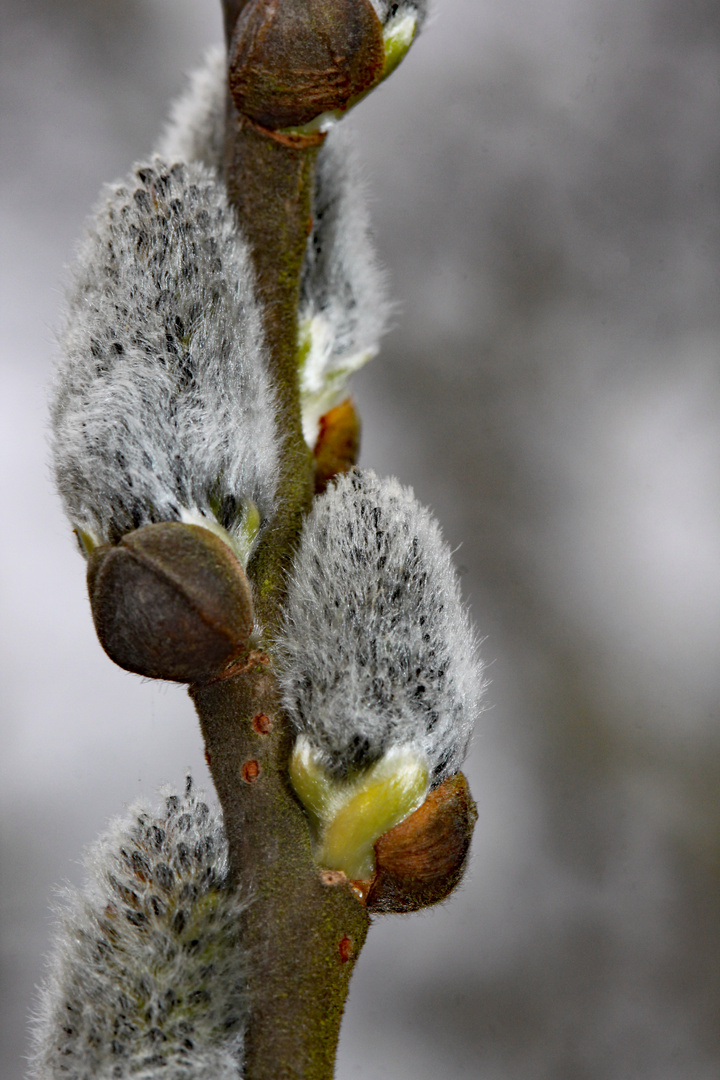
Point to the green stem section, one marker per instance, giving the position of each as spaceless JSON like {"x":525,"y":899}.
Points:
{"x":270,"y":181}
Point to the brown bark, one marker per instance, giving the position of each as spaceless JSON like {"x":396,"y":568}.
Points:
{"x":269,"y":182}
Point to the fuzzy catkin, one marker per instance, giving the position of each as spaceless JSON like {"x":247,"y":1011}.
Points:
{"x":195,"y":129}
{"x":344,"y":304}
{"x":377,"y":649}
{"x":163,"y":407}
{"x":147,"y":976}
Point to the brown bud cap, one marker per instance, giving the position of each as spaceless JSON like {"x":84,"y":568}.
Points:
{"x":171,"y":601}
{"x":292,"y":60}
{"x":422,"y":859}
{"x":338,"y":443}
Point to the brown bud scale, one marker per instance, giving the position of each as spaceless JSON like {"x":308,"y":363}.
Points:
{"x":171,"y":601}
{"x":292,"y":60}
{"x":422,"y":859}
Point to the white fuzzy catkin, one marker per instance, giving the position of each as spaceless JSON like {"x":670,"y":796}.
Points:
{"x":147,"y":979}
{"x":377,"y":650}
{"x":344,"y":304}
{"x":163,"y":407}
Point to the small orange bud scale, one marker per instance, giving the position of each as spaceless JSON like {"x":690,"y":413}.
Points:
{"x":338,"y":443}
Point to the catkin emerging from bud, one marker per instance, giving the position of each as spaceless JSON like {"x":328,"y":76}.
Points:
{"x":377,"y":649}
{"x":401,"y":22}
{"x":163,"y":408}
{"x":343,"y":292}
{"x":344,"y":302}
{"x":147,"y":977}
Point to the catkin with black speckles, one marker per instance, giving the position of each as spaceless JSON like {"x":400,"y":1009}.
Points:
{"x":377,"y":649}
{"x":344,"y":305}
{"x":162,"y":407}
{"x":147,"y":976}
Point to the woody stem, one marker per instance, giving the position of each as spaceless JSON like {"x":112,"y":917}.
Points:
{"x":301,"y":936}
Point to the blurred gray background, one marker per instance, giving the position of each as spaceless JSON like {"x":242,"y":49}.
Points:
{"x":545,"y":183}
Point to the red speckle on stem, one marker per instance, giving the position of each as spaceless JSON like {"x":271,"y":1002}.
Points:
{"x":346,"y":950}
{"x":250,"y":771}
{"x":261,"y":724}
{"x":207,"y":757}
{"x":333,"y":877}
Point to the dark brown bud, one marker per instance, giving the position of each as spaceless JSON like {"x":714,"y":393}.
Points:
{"x":338,"y":443}
{"x":422,"y":859}
{"x":292,"y":60}
{"x":171,"y":601}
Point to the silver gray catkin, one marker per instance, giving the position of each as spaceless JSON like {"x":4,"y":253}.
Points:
{"x":163,"y":407}
{"x":344,"y":304}
{"x":344,"y":295}
{"x":377,"y":650}
{"x":147,"y":976}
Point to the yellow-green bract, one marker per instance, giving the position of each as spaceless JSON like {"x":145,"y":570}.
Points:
{"x":349,"y":815}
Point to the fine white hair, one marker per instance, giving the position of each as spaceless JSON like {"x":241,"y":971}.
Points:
{"x":377,"y":649}
{"x":147,"y":978}
{"x":344,"y":302}
{"x":344,"y":305}
{"x":163,"y":407}
{"x":195,"y":129}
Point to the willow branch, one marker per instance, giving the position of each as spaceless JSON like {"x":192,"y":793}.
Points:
{"x":303,"y":931}
{"x":269,"y":182}
{"x":167,"y":501}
